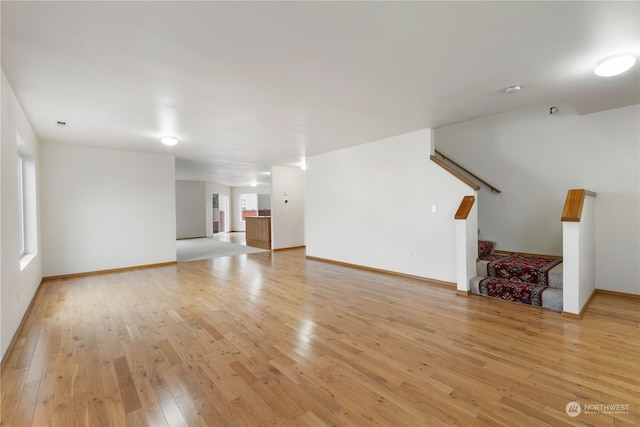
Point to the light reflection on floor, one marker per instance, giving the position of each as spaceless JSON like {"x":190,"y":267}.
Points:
{"x":238,"y":237}
{"x":305,"y":330}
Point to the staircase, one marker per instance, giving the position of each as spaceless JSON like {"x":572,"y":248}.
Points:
{"x":526,"y":279}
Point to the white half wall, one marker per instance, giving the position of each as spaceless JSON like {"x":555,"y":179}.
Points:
{"x":372,"y":205}
{"x":535,"y":158}
{"x":287,"y":207}
{"x":578,"y":255}
{"x":467,"y":248}
{"x":191,"y":207}
{"x":17,"y":285}
{"x":106,"y":209}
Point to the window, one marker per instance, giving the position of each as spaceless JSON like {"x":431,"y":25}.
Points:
{"x":248,"y":205}
{"x":21,"y":210}
{"x":26,"y":201}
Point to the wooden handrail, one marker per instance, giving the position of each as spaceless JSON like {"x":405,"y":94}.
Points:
{"x":455,"y":173}
{"x":465,"y":207}
{"x":573,"y":204}
{"x":493,"y":189}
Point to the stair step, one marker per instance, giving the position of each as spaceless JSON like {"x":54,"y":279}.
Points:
{"x":555,"y":274}
{"x":516,"y":291}
{"x":528,"y":279}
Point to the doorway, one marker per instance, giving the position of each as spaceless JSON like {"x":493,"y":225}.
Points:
{"x":219,"y":213}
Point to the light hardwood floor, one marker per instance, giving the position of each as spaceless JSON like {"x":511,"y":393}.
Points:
{"x":273,"y":339}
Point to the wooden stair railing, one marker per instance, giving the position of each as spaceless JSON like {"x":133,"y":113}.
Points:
{"x":455,"y":173}
{"x":442,"y":163}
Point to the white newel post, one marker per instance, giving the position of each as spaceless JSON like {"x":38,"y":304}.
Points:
{"x":578,"y":252}
{"x":466,"y":248}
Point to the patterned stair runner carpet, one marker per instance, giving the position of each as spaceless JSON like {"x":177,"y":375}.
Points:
{"x":524,"y":293}
{"x":529,"y":269}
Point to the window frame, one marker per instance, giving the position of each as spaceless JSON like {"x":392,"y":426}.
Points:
{"x":21,"y":207}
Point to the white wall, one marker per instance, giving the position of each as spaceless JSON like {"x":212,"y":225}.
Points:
{"x":370,"y":205}
{"x":106,"y":209}
{"x":191,"y":207}
{"x":534,"y":158}
{"x":264,"y":201}
{"x":287,"y":207}
{"x":17,"y":287}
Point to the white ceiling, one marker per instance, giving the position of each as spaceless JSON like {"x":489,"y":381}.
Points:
{"x":247,"y":85}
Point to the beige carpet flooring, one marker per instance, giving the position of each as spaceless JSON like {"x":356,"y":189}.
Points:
{"x":206,"y":248}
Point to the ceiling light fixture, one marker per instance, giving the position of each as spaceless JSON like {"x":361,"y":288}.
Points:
{"x":169,"y":140}
{"x":253,"y":183}
{"x":512,"y":89}
{"x":614,"y":65}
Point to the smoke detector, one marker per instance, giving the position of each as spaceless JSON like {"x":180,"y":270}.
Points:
{"x":512,"y":89}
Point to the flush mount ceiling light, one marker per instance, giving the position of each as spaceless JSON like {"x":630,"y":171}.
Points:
{"x":614,"y":65}
{"x":169,"y":140}
{"x":512,"y":89}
